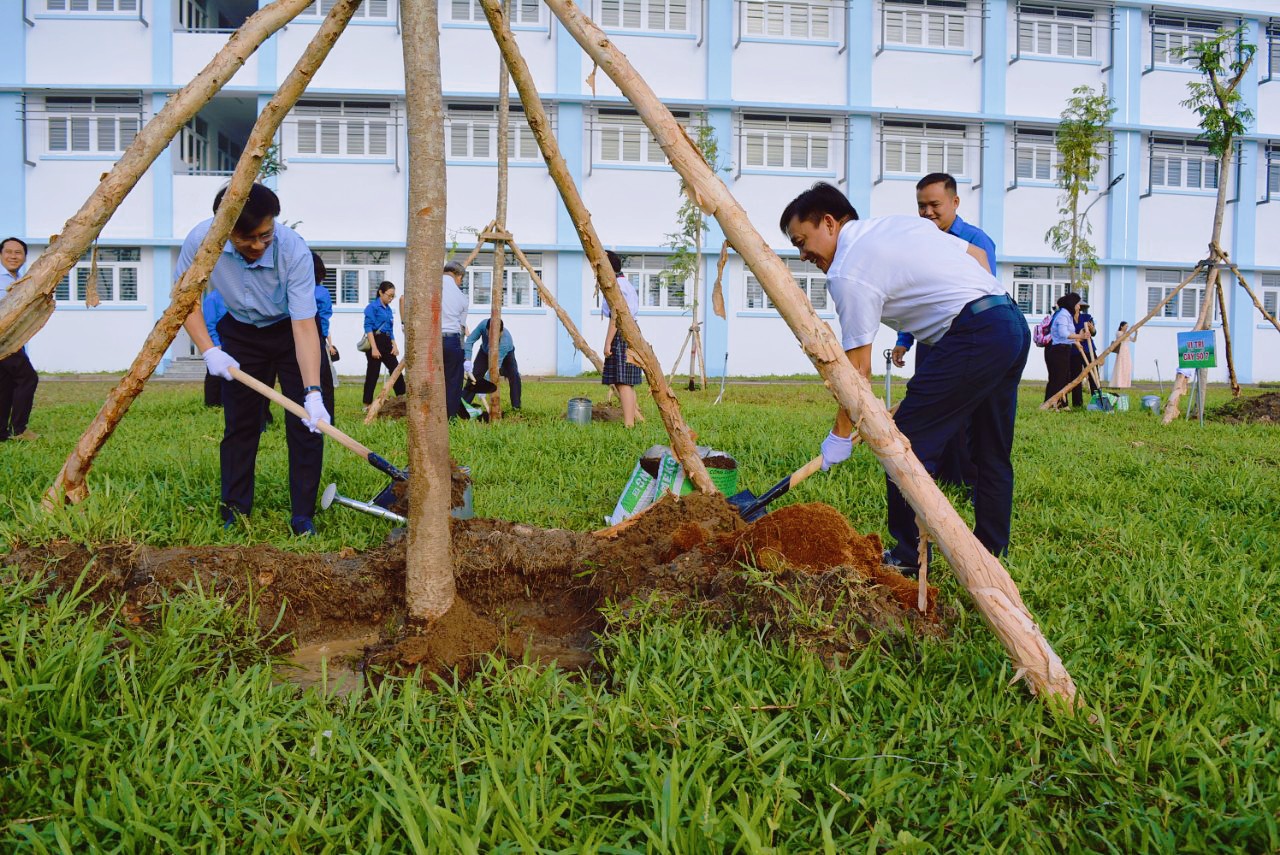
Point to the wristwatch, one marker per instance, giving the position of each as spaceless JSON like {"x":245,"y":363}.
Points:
{"x":310,"y":389}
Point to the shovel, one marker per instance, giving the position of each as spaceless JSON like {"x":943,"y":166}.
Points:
{"x":374,"y":459}
{"x":751,"y":508}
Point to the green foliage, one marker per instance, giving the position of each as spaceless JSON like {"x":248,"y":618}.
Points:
{"x":691,"y":222}
{"x":1152,"y":571}
{"x":1223,"y":61}
{"x":272,"y":163}
{"x":1082,"y":136}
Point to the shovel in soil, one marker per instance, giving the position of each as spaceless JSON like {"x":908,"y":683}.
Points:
{"x":751,"y":508}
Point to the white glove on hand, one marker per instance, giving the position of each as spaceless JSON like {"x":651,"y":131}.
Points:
{"x":467,"y":365}
{"x":219,"y":362}
{"x":835,"y":449}
{"x":316,"y":412}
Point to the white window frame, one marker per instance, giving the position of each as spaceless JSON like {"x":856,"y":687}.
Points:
{"x":1269,"y":293}
{"x":352,"y":276}
{"x":107,"y":124}
{"x":339,"y":124}
{"x":1184,"y":160}
{"x":117,"y":265}
{"x":811,"y":280}
{"x":1160,"y":281}
{"x":1037,"y":287}
{"x":936,"y":24}
{"x":1046,"y":29}
{"x":789,"y":20}
{"x":369,"y":10}
{"x":92,"y":7}
{"x":523,"y":13}
{"x":518,"y":291}
{"x":931,"y":146}
{"x":653,"y":280}
{"x":653,"y":16}
{"x":1272,"y":35}
{"x":1171,"y":34}
{"x":1035,"y":156}
{"x":471,"y":134}
{"x":1272,"y":173}
{"x":787,"y":143}
{"x":618,"y":133}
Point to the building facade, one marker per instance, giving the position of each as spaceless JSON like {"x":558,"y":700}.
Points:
{"x":867,"y":94}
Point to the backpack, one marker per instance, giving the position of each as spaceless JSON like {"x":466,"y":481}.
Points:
{"x":1040,"y":332}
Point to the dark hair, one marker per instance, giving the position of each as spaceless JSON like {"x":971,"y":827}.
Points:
{"x":816,"y":202}
{"x":262,"y":203}
{"x":318,"y":263}
{"x":384,"y":287}
{"x":1123,"y":324}
{"x":948,"y":183}
{"x":1069,"y":301}
{"x":615,"y":260}
{"x":19,"y":241}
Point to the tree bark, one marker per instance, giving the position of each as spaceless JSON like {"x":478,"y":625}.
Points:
{"x":29,"y":303}
{"x":995,"y":594}
{"x":429,"y":583}
{"x":70,"y":484}
{"x":498,"y":292}
{"x":1226,"y":341}
{"x":549,"y":299}
{"x":682,"y":444}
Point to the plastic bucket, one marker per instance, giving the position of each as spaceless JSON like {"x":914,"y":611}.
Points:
{"x":724,"y":480}
{"x":1151,"y":402}
{"x":579,"y":412}
{"x":466,"y":510}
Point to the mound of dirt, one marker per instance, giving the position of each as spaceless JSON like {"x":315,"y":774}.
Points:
{"x":395,"y":407}
{"x":812,"y":538}
{"x":1263,"y":409}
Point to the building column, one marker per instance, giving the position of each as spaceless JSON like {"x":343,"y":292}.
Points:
{"x":570,"y":130}
{"x":1243,"y":314}
{"x":1121,"y":300}
{"x":13,"y":169}
{"x":719,"y":41}
{"x":995,"y":70}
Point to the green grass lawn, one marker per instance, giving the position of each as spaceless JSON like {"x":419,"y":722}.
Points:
{"x":1148,"y":555}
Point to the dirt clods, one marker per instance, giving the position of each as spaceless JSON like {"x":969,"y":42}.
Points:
{"x":1263,"y":409}
{"x":812,"y":537}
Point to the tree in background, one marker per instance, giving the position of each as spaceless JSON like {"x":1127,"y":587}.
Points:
{"x":1082,"y":136}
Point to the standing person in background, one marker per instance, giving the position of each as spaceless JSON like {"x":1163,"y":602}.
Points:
{"x":18,"y":378}
{"x":1122,"y":375}
{"x":1084,"y":325}
{"x":324,"y":313}
{"x":453,"y":325}
{"x":379,"y":328}
{"x":507,"y":367}
{"x":214,"y":308}
{"x":1062,"y":345}
{"x":618,"y":371}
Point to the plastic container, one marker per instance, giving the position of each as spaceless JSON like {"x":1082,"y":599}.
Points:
{"x":466,"y":510}
{"x":1122,"y":403}
{"x":579,"y":412}
{"x":1151,"y":403}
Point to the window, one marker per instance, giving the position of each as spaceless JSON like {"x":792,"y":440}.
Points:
{"x":117,"y":276}
{"x":472,"y":131}
{"x":654,"y":15}
{"x":92,"y":124}
{"x":193,"y":16}
{"x":925,"y":23}
{"x":346,"y":269}
{"x":1273,"y":170}
{"x":1270,"y":292}
{"x":523,"y":12}
{"x":1183,"y":165}
{"x":92,"y":5}
{"x":1273,"y":51}
{"x":918,"y":148}
{"x":518,"y":289}
{"x":345,"y":129}
{"x":1172,"y":37}
{"x":1055,"y":31}
{"x":799,"y":19}
{"x":205,"y":152}
{"x":1187,"y":304}
{"x":658,"y":287}
{"x":377,"y":10}
{"x":808,"y":277}
{"x":801,"y":143}
{"x":623,"y":138}
{"x":1038,"y":287}
{"x":1035,"y":155}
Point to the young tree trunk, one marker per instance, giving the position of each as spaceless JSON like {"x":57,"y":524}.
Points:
{"x":981,"y":573}
{"x":693,"y":326}
{"x":549,"y":299}
{"x":29,"y":303}
{"x":682,"y":444}
{"x":497,"y":293}
{"x":1226,"y":341}
{"x":429,"y":584}
{"x":70,"y":483}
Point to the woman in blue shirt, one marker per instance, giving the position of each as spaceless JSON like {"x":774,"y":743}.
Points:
{"x":379,"y":323}
{"x":1062,"y":330}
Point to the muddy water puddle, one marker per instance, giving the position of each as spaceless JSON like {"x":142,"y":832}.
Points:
{"x":333,"y":665}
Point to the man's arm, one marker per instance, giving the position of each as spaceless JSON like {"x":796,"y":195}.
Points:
{"x":471,"y":339}
{"x":195,"y":327}
{"x":860,"y":358}
{"x":306,"y":343}
{"x":980,"y":254}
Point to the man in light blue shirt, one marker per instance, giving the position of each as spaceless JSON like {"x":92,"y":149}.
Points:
{"x":507,"y":367}
{"x":18,"y":379}
{"x":266,"y":278}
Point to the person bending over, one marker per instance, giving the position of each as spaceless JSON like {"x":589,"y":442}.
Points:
{"x":507,"y":367}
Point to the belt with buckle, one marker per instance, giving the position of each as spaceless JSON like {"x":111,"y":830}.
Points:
{"x":990,"y":301}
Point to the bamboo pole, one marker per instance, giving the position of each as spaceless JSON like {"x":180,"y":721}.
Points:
{"x":1226,"y":341}
{"x":981,"y":573}
{"x":1254,"y":297}
{"x":549,"y":299}
{"x":70,"y":484}
{"x":29,"y":303}
{"x":1053,"y":400}
{"x":430,"y":589}
{"x":372,"y":412}
{"x":1093,"y":373}
{"x":682,"y":444}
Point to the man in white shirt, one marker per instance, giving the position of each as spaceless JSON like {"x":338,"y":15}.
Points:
{"x":18,"y":379}
{"x":453,"y":324}
{"x":906,"y":273}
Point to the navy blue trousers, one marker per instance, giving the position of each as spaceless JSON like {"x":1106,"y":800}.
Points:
{"x":453,"y":373}
{"x":970,"y":378}
{"x":955,"y":466}
{"x":264,"y":353}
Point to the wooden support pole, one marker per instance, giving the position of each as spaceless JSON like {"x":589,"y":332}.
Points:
{"x":1254,"y":297}
{"x":682,"y":444}
{"x":70,"y":484}
{"x":497,"y":293}
{"x":1205,"y":319}
{"x":549,"y":299}
{"x":994,"y":593}
{"x":1226,"y":341}
{"x":430,"y":589}
{"x":372,"y":413}
{"x":29,"y":303}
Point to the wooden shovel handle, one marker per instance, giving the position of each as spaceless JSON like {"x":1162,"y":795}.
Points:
{"x":299,"y":411}
{"x":815,"y":465}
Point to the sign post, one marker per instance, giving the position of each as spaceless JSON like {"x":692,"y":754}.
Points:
{"x":1198,"y":349}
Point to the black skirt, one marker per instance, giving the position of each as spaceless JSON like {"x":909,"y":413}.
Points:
{"x":617,"y":371}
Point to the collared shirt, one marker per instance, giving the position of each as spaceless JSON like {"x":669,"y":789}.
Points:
{"x":453,"y":307}
{"x":7,"y":279}
{"x":379,"y":319}
{"x":505,"y":343}
{"x":903,"y":272}
{"x":1062,"y":327}
{"x":975,"y":237}
{"x":280,"y":285}
{"x":214,"y":309}
{"x":324,"y":309}
{"x":629,"y":294}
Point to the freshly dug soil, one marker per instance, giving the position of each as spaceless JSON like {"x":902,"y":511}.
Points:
{"x":396,"y":407}
{"x":458,"y":483}
{"x":605,"y":413}
{"x":1263,"y":409}
{"x":719,"y":461}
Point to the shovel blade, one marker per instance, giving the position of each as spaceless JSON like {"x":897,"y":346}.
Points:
{"x":748,"y":505}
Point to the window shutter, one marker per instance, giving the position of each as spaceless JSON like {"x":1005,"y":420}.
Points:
{"x":58,"y":134}
{"x":80,"y":133}
{"x":610,"y":145}
{"x":630,"y":145}
{"x":774,"y":151}
{"x":654,"y":151}
{"x":355,"y":136}
{"x":378,"y":138}
{"x":330,"y":140}
{"x":307,"y":137}
{"x":755,"y":18}
{"x":754,"y":148}
{"x":894,"y":27}
{"x":375,"y":8}
{"x":631,"y":14}
{"x":818,"y":149}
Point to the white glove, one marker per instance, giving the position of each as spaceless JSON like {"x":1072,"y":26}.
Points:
{"x":467,"y":365}
{"x":835,"y":449}
{"x":315,"y":411}
{"x":219,"y":362}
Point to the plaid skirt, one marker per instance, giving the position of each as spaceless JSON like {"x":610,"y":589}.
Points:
{"x":617,"y":371}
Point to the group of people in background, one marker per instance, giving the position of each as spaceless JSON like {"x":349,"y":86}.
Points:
{"x":1072,"y":332}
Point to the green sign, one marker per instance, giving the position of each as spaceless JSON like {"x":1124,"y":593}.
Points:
{"x":1196,"y":349}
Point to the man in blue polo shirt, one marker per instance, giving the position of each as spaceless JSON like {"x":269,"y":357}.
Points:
{"x":266,"y":278}
{"x":910,"y":276}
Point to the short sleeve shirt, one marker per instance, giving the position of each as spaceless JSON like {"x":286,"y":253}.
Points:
{"x":629,"y":294}
{"x":1062,"y":327}
{"x":453,"y":307}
